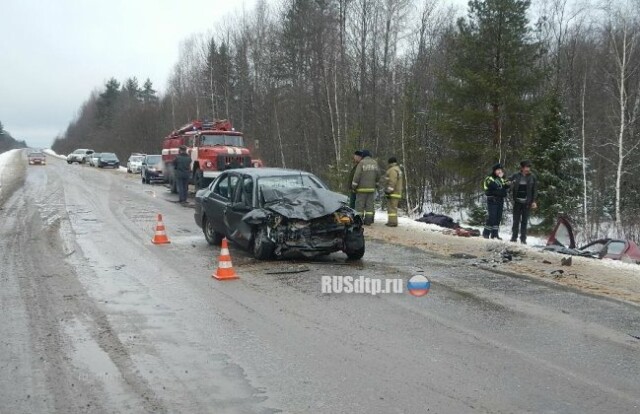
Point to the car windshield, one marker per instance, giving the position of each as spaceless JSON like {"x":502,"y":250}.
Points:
{"x":79,"y":151}
{"x":136,"y":159}
{"x":36,"y":154}
{"x":289,"y":181}
{"x":234,"y":140}
{"x":108,"y":156}
{"x":154,"y":159}
{"x":96,"y":155}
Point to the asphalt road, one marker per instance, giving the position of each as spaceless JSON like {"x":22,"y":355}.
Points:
{"x":97,"y":319}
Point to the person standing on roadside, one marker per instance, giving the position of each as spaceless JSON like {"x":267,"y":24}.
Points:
{"x":495,"y":188}
{"x":357,"y":157}
{"x":364,"y":183}
{"x":524,"y":193}
{"x":182,"y":172}
{"x":392,"y":184}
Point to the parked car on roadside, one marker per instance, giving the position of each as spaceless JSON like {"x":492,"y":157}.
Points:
{"x":152,"y":169}
{"x":36,"y":157}
{"x":93,"y":160}
{"x":108,"y":159}
{"x":278,"y":212}
{"x":134,"y":164}
{"x":80,"y":156}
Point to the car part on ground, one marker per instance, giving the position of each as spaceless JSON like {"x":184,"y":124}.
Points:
{"x":562,"y":240}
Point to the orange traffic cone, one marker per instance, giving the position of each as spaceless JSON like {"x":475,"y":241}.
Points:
{"x":225,"y":268}
{"x":160,"y":237}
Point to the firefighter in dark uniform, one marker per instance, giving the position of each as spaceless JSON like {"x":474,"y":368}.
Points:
{"x":182,"y":172}
{"x":495,"y":188}
{"x":357,"y":156}
{"x":365,"y":180}
{"x":392,"y":184}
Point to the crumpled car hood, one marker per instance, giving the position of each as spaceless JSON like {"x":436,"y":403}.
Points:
{"x":298,"y":203}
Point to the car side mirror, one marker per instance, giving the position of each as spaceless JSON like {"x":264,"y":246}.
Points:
{"x":240,"y":208}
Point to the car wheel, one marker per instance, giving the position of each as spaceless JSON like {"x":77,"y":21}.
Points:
{"x":213,"y":237}
{"x":355,"y":254}
{"x":262,"y":247}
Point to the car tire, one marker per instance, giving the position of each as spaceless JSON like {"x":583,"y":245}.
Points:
{"x":355,"y":254}
{"x":213,"y":237}
{"x":262,"y":247}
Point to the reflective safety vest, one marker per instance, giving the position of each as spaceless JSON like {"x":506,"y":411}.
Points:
{"x":393,"y":181}
{"x":366,"y":176}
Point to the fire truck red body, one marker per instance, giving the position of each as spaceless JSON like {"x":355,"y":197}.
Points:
{"x":213,"y":146}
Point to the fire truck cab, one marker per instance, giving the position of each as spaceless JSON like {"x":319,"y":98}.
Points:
{"x":213,"y":146}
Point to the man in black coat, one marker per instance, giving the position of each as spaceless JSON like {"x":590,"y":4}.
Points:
{"x":524,"y":199}
{"x":182,"y":172}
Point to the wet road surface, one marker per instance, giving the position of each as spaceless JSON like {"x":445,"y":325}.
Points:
{"x":97,"y":319}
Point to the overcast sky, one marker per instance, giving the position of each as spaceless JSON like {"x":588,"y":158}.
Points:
{"x":53,"y":53}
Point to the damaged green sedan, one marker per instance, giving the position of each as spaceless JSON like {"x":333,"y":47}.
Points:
{"x":279,"y":213}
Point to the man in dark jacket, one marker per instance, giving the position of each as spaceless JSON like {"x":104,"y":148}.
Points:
{"x":182,"y":172}
{"x":495,"y":188}
{"x":524,"y":199}
{"x":357,"y":157}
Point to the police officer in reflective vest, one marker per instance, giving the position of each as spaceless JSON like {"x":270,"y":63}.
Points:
{"x":392,"y":184}
{"x":364,"y":184}
{"x":495,"y":188}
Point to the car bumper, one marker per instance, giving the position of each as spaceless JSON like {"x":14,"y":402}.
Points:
{"x":155,"y":176}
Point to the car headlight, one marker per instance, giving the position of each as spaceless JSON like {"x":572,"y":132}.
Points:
{"x":208,"y":164}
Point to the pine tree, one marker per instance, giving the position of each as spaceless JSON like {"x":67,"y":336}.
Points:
{"x":107,"y":103}
{"x":132,"y":88}
{"x":488,"y":98}
{"x":555,"y":158}
{"x":148,"y":94}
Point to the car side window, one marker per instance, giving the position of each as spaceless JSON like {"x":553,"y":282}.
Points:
{"x":245,"y":192}
{"x":222,"y":187}
{"x":233,"y":186}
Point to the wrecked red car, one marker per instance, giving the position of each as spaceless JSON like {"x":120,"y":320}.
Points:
{"x":562,"y":240}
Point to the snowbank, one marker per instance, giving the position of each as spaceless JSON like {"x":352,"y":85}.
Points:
{"x":5,"y":159}
{"x":52,"y":153}
{"x":505,"y":231}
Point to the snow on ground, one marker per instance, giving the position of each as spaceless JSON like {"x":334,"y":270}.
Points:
{"x":52,"y":153}
{"x":505,"y":231}
{"x":5,"y":159}
{"x":601,"y":277}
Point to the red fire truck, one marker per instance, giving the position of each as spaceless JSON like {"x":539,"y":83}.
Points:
{"x":213,"y":146}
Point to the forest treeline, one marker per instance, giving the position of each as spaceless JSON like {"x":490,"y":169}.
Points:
{"x":8,"y":142}
{"x":310,"y":81}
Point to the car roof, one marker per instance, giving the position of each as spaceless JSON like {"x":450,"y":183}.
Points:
{"x":268,"y":172}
